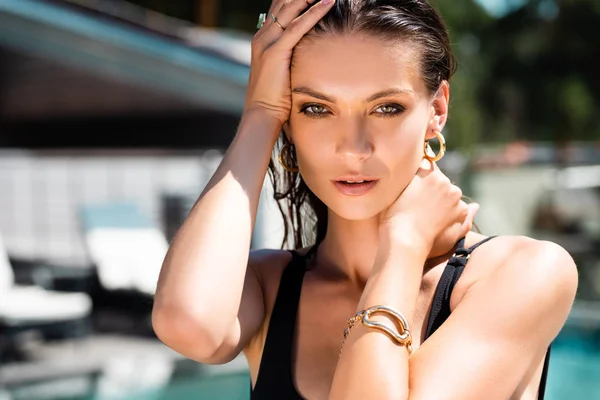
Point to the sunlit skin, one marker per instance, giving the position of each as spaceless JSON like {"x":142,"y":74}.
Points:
{"x":339,"y":129}
{"x":389,"y":246}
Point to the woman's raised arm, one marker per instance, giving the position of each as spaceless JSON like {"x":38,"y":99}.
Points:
{"x":208,"y":302}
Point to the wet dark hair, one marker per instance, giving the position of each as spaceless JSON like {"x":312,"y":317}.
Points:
{"x":412,"y":22}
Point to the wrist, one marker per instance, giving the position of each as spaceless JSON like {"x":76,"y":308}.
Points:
{"x":256,"y":122}
{"x":395,"y":280}
{"x":403,"y":257}
{"x":402,"y":237}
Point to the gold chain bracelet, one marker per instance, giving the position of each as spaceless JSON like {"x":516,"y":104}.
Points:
{"x":403,"y":338}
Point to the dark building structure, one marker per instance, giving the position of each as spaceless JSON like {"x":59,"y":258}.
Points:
{"x":73,"y":76}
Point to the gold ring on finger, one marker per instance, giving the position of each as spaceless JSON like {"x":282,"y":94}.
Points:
{"x":277,"y":22}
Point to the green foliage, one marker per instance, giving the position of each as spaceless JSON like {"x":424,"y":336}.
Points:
{"x":539,"y":80}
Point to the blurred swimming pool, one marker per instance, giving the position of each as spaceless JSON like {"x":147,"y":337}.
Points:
{"x":574,"y":374}
{"x":574,"y":371}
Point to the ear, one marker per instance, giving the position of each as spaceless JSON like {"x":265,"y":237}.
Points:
{"x":439,"y":110}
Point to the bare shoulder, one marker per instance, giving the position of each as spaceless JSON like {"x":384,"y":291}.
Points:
{"x":268,"y":263}
{"x":525,"y":254}
{"x":521,"y":292}
{"x":544,"y":266}
{"x":260,"y":258}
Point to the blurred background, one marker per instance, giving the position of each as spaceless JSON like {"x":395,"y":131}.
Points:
{"x":114,"y":114}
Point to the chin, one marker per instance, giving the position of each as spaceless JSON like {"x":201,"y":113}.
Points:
{"x":351,"y":208}
{"x":355,"y":209}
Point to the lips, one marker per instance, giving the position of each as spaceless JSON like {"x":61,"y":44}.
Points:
{"x":355,"y":186}
{"x":360,"y":181}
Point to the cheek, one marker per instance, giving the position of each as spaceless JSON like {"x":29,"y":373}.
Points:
{"x":404,"y":149}
{"x":315,"y":152}
{"x":314,"y":156}
{"x":314,"y":144}
{"x":402,"y":163}
{"x":402,"y":154}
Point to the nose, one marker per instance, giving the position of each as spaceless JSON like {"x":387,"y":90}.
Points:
{"x":353,"y":141}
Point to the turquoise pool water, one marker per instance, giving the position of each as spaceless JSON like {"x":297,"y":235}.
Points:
{"x":574,"y":374}
{"x":574,"y":371}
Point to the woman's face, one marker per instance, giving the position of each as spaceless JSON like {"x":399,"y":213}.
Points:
{"x":360,"y":111}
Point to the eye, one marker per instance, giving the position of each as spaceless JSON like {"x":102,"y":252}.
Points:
{"x":388,"y":110}
{"x":314,"y":110}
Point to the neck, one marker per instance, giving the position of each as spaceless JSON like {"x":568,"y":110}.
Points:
{"x":349,"y":248}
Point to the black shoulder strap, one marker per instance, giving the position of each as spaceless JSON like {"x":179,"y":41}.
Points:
{"x":440,"y":309}
{"x":542,"y":388}
{"x":276,"y":361}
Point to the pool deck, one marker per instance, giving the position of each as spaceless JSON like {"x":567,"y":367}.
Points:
{"x":136,"y":362}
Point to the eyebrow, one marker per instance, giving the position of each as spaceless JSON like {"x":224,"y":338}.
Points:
{"x":378,"y":95}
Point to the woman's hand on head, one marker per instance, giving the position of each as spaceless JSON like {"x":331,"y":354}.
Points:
{"x":428,"y":210}
{"x":269,"y":82}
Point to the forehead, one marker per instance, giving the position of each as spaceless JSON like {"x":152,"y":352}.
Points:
{"x":356,"y":61}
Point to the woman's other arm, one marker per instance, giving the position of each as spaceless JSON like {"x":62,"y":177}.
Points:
{"x":496,"y":335}
{"x":208,"y":303}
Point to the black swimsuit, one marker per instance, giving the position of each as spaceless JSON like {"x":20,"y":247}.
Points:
{"x":275,"y":380}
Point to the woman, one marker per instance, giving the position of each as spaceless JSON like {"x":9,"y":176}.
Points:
{"x":358,"y":87}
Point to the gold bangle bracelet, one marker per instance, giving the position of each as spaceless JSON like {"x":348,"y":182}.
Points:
{"x":403,"y":338}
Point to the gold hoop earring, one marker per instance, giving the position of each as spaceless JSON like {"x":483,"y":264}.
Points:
{"x":286,"y":147}
{"x":429,"y":154}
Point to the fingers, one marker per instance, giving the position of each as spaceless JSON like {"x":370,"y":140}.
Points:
{"x":298,"y":27}
{"x":285,"y":11}
{"x":463,"y":223}
{"x":433,"y":174}
{"x":276,"y":5}
{"x":290,"y":10}
{"x":426,"y":166}
{"x":467,"y":225}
